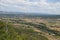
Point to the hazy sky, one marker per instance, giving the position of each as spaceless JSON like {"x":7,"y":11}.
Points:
{"x":36,"y":6}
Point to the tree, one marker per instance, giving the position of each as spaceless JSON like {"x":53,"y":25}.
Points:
{"x":2,"y":24}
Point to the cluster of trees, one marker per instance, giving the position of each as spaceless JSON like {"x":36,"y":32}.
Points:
{"x":41,"y":26}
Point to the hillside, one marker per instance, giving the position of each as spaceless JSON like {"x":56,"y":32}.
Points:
{"x":21,"y":33}
{"x":29,"y":26}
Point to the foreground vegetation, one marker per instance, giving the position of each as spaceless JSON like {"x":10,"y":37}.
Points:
{"x":19,"y":33}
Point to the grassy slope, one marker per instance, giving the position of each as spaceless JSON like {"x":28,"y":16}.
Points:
{"x":18,"y":33}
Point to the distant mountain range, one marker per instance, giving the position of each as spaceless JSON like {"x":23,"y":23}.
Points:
{"x":6,"y":12}
{"x":22,"y":14}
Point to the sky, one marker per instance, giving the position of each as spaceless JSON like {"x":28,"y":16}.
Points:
{"x":31,"y":6}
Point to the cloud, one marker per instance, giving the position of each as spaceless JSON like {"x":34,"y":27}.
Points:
{"x":40,"y":6}
{"x":53,"y":1}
